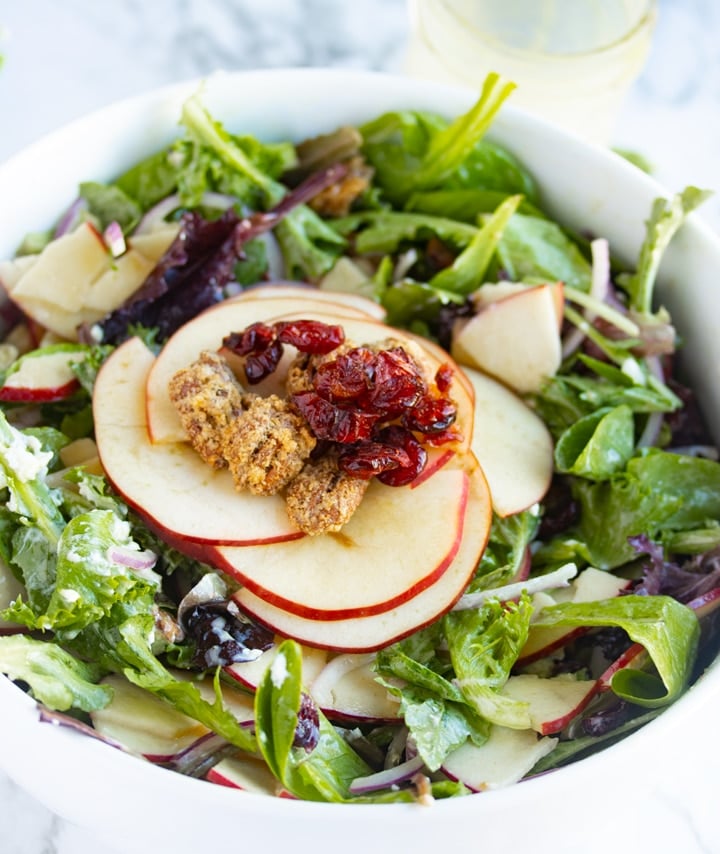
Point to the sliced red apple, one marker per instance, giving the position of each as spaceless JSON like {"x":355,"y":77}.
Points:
{"x":512,"y":444}
{"x":347,"y":690}
{"x":248,"y":775}
{"x":250,"y":673}
{"x":13,"y":269}
{"x":174,"y":491}
{"x":364,"y":634}
{"x":515,"y":339}
{"x":365,"y":569}
{"x":147,"y":726}
{"x":206,"y":332}
{"x":553,"y":702}
{"x":43,"y":375}
{"x":635,"y":656}
{"x":490,"y":293}
{"x":505,"y":758}
{"x":326,"y":297}
{"x":591,"y":585}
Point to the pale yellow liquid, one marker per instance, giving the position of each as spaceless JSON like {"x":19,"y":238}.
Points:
{"x":573,"y":60}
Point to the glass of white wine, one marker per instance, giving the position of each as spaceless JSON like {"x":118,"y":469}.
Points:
{"x":573,"y":60}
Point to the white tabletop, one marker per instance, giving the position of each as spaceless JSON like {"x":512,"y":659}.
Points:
{"x":64,"y":59}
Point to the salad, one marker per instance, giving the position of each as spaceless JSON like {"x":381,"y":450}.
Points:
{"x":531,"y":570}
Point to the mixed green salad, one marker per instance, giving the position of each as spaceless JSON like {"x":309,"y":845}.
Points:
{"x":601,"y":592}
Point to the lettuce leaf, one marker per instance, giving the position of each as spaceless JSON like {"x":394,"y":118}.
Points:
{"x":55,"y":677}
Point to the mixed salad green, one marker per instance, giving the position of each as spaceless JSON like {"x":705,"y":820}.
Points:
{"x":103,"y":602}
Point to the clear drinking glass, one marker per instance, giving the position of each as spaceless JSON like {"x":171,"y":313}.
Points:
{"x":573,"y":60}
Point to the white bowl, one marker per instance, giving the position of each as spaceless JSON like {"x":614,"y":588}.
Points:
{"x":654,"y":789}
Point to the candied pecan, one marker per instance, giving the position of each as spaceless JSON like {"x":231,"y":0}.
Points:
{"x":267,"y":445}
{"x":337,"y":199}
{"x":207,"y":398}
{"x":322,"y":498}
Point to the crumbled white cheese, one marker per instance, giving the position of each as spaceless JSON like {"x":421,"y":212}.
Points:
{"x":278,"y":671}
{"x":68,"y":595}
{"x":24,"y":455}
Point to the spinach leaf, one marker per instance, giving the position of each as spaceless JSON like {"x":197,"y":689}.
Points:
{"x":598,"y":445}
{"x":668,"y":630}
{"x":533,"y":248}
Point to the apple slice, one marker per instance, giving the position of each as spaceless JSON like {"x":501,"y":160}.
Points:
{"x":329,"y":298}
{"x":206,"y":332}
{"x":250,"y":673}
{"x":512,"y":444}
{"x":505,"y":758}
{"x":365,"y":634}
{"x":43,"y":375}
{"x":175,"y":492}
{"x":12,"y":270}
{"x":490,"y":293}
{"x":248,"y":775}
{"x":553,"y":702}
{"x":515,"y":339}
{"x":347,"y":690}
{"x":147,"y":726}
{"x":591,"y":585}
{"x":366,"y":569}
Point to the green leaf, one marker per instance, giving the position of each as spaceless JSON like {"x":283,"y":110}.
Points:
{"x":151,"y":180}
{"x":538,"y":249}
{"x":484,"y":644}
{"x":55,"y":677}
{"x":468,"y":270}
{"x":668,"y":630}
{"x":658,"y":493}
{"x":465,"y":205}
{"x":666,"y":217}
{"x":108,"y":203}
{"x":598,"y":445}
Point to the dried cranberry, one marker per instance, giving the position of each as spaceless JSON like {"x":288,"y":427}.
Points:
{"x":444,"y":377}
{"x":329,"y":421}
{"x":431,"y":415}
{"x":310,"y":336}
{"x":370,"y":459}
{"x":307,"y":730}
{"x":399,"y":437}
{"x":255,"y":339}
{"x":221,"y":638}
{"x":397,"y":384}
{"x":347,"y":377}
{"x":261,"y":365}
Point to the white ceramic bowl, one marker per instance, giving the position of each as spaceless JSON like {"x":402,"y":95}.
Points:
{"x":656,"y":789}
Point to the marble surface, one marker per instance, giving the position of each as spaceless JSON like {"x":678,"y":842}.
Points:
{"x":62,"y":60}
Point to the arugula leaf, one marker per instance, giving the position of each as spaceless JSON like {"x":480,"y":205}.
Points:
{"x":385,"y":232}
{"x":467,"y":272}
{"x":659,"y":492}
{"x":668,"y":630}
{"x":413,"y":151}
{"x":55,"y":677}
{"x":465,"y":205}
{"x":484,"y":644}
{"x":666,"y":217}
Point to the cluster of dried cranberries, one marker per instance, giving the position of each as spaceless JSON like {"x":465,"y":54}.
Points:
{"x":369,"y":402}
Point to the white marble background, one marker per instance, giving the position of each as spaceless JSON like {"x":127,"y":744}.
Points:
{"x":63,"y":59}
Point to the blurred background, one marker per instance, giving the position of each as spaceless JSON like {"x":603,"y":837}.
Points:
{"x":62,"y":60}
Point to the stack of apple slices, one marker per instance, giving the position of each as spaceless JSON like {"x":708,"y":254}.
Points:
{"x":406,"y":555}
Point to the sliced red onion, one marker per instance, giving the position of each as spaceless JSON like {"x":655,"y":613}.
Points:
{"x":389,"y":777}
{"x":275,"y":260}
{"x":158,"y":212}
{"x":653,"y":425}
{"x":115,"y":239}
{"x":599,"y":286}
{"x":70,"y":218}
{"x":132,"y":558}
{"x":560,"y":577}
{"x":49,"y":716}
